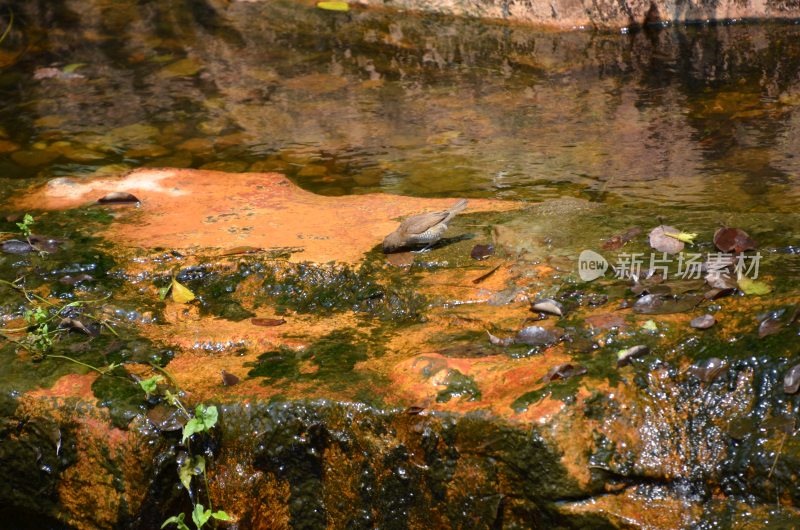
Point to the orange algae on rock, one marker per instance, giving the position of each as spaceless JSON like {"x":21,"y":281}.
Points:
{"x":183,"y":208}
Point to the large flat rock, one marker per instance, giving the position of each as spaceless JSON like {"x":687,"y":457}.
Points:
{"x":183,"y":209}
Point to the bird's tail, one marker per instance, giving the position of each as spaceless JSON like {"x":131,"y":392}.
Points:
{"x":456,"y":208}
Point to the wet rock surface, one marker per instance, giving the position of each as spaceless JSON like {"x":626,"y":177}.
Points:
{"x":606,"y":15}
{"x":379,"y":396}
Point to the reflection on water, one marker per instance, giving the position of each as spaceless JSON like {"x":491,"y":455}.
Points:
{"x":698,"y":117}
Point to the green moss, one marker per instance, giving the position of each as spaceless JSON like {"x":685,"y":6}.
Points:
{"x":334,"y":356}
{"x":460,"y":386}
{"x":309,"y":288}
{"x":562,"y":389}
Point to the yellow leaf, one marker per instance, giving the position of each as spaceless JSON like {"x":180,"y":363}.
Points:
{"x":181,"y":293}
{"x":753,"y":287}
{"x":334,"y":6}
{"x":686,"y":237}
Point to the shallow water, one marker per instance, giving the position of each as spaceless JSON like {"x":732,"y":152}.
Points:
{"x":697,"y":117}
{"x":696,"y":126}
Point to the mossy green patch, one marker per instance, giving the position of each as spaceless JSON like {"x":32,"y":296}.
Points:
{"x":330,"y":361}
{"x":460,"y":386}
{"x":563,"y":390}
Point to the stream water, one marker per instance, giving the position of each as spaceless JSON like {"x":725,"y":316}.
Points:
{"x":694,"y":126}
{"x":702,"y":117}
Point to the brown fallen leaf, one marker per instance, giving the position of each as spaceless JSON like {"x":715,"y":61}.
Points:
{"x":242,"y":250}
{"x":664,"y":239}
{"x":713,"y":294}
{"x":228,"y":379}
{"x":618,"y":241}
{"x":733,"y":240}
{"x":480,"y":252}
{"x":400,"y":259}
{"x":73,"y":324}
{"x":564,"y":371}
{"x":267,"y":322}
{"x":119,"y":197}
{"x":769,"y":326}
{"x":707,"y":371}
{"x":166,"y":418}
{"x":482,"y":277}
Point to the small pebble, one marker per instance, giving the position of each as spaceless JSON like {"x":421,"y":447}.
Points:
{"x":703,"y":322}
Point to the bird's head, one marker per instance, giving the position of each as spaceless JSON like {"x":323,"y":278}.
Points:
{"x":392,"y":242}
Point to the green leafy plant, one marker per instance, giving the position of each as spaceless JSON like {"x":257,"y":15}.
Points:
{"x":46,"y":320}
{"x":25,"y":225}
{"x":204,"y":420}
{"x":150,"y":385}
{"x":193,"y":467}
{"x":200,"y":516}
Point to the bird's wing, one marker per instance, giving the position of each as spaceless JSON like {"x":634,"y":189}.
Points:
{"x":420,"y":223}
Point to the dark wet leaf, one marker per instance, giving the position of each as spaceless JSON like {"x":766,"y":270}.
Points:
{"x":774,"y":321}
{"x":400,"y":259}
{"x":713,"y":294}
{"x":791,"y":381}
{"x":166,"y":418}
{"x":619,"y":240}
{"x":119,"y":197}
{"x":15,"y":246}
{"x":267,"y":322}
{"x":652,"y":304}
{"x":228,"y":379}
{"x":625,"y":356}
{"x":687,"y":286}
{"x":770,"y":326}
{"x":703,"y":321}
{"x":733,"y":240}
{"x":44,"y":243}
{"x":642,"y":287}
{"x":548,"y":305}
{"x":480,"y":252}
{"x":785,"y":424}
{"x":564,"y":371}
{"x":708,"y":370}
{"x":536,"y":336}
{"x":721,"y":280}
{"x":74,"y":324}
{"x":482,"y":277}
{"x":665,"y":239}
{"x":739,"y":428}
{"x":596,"y":300}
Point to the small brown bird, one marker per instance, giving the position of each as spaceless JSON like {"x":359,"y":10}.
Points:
{"x":421,"y":229}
